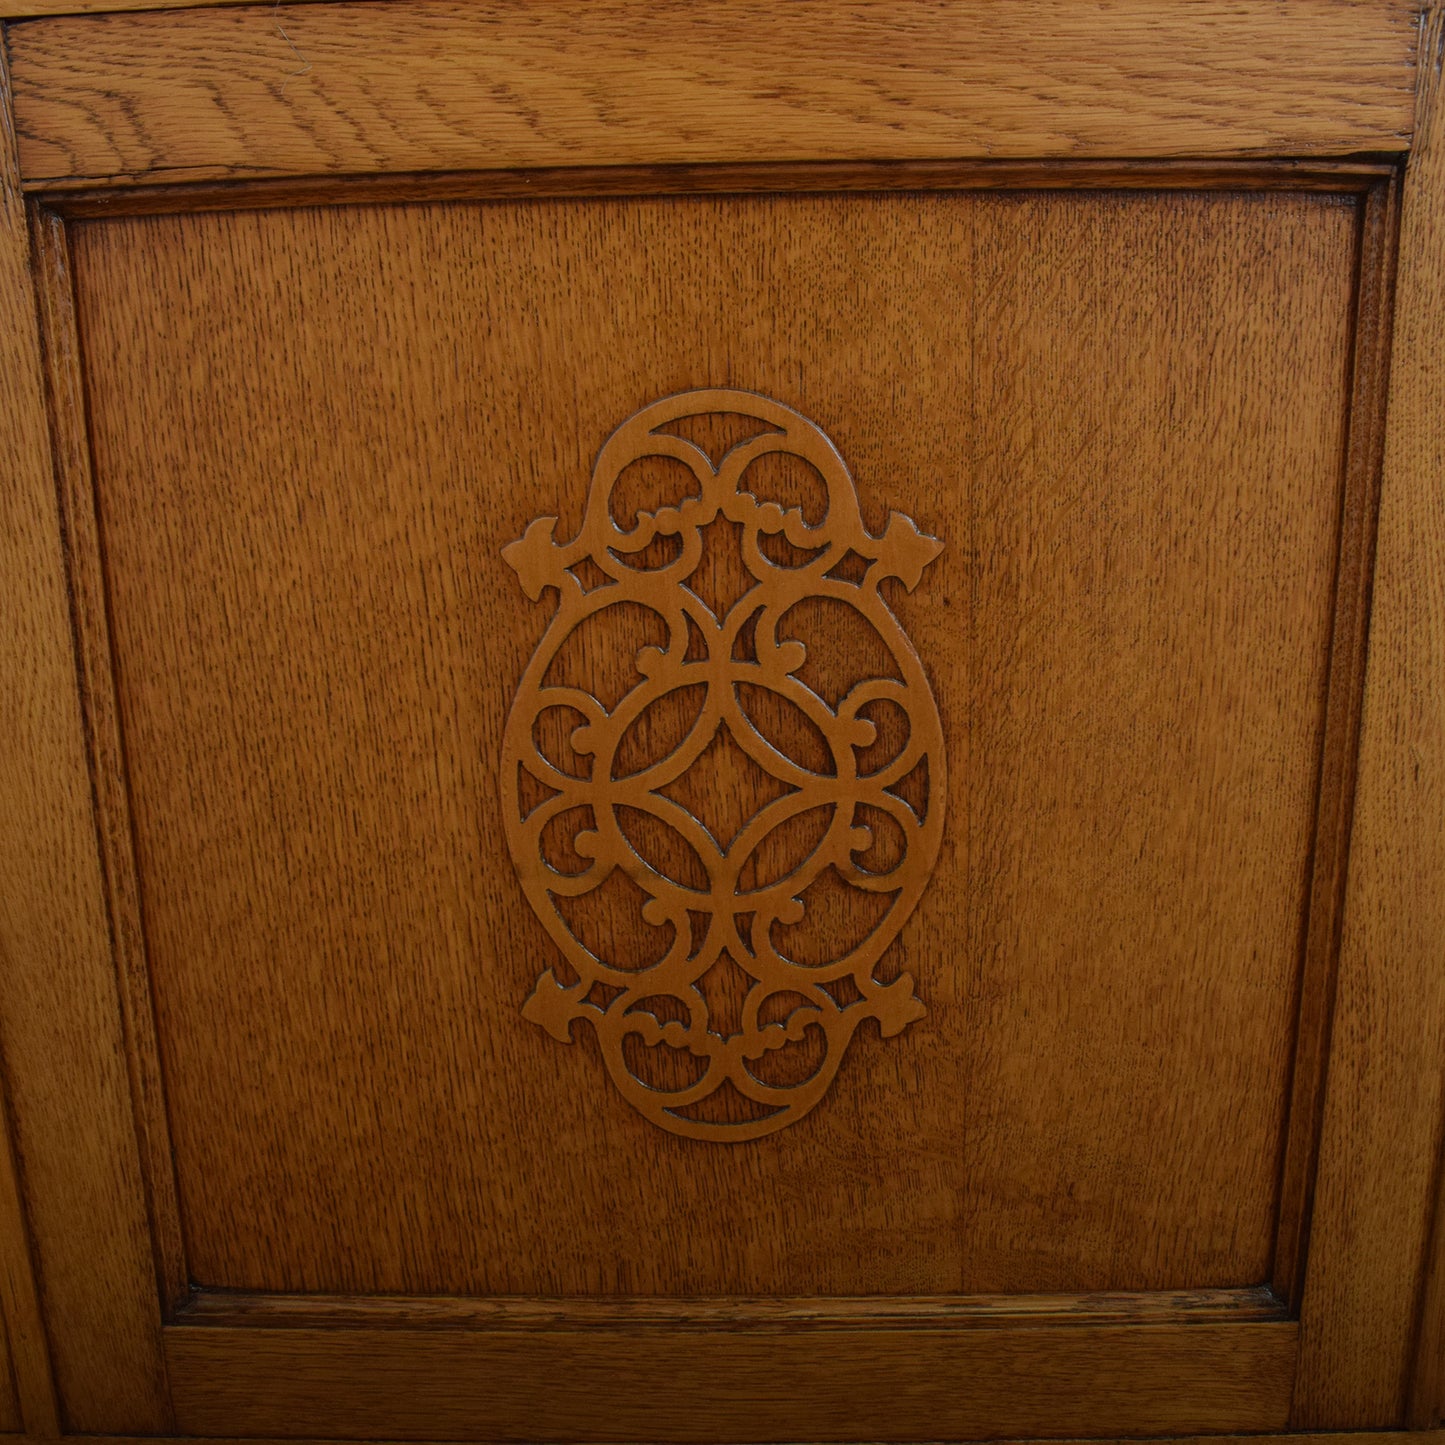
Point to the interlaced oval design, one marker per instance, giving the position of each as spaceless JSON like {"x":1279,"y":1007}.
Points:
{"x":715,"y":893}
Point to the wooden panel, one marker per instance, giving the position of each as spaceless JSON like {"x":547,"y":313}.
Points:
{"x":10,"y":1417}
{"x":1138,"y":488}
{"x":26,"y":1368}
{"x":1071,"y":846}
{"x":1383,"y":1107}
{"x":59,"y":1020}
{"x":753,"y":1386}
{"x":451,"y":86}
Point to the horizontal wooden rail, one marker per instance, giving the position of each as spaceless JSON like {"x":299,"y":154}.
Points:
{"x":317,"y":89}
{"x":751,"y":1386}
{"x":87,"y":200}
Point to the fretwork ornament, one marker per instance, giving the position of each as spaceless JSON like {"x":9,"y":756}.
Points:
{"x":653,"y":1008}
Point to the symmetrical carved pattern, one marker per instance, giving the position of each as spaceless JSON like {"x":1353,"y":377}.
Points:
{"x":737,"y":812}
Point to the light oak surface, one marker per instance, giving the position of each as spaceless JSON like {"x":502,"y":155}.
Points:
{"x":1377,"y":1186}
{"x":63,"y":1050}
{"x":1420,"y":386}
{"x":441,"y":85}
{"x":313,"y":311}
{"x":22,"y":9}
{"x":310,"y":756}
{"x":97,"y":201}
{"x":107,"y":747}
{"x":1353,"y":576}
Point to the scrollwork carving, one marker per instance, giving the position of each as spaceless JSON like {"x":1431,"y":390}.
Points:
{"x":863,"y":810}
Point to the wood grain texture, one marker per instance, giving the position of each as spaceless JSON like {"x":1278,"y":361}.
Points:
{"x":441,"y":85}
{"x":29,"y":9}
{"x":1383,"y":1105}
{"x":1354,"y":570}
{"x":1426,"y":1403}
{"x":83,"y":201}
{"x":106,"y":749}
{"x":27,"y":1355}
{"x":1081,"y":851}
{"x":59,"y":1019}
{"x":11,"y":1420}
{"x":864,"y":1312}
{"x":758,"y":1385}
{"x":317,"y":641}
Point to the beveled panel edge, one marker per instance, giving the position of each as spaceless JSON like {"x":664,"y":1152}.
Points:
{"x":1344,"y":700}
{"x":83,"y":200}
{"x":69,"y":1113}
{"x":230,"y":92}
{"x":26,"y":1352}
{"x":516,"y":1313}
{"x":1373,"y":1311}
{"x":84,"y":555}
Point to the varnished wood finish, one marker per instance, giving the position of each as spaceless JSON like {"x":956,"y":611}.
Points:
{"x":63,"y":1051}
{"x":26,"y":1371}
{"x":864,"y":1312}
{"x":442,"y":85}
{"x":11,"y":1420}
{"x":107,"y":749}
{"x":29,"y":9}
{"x":1341,"y":740}
{"x":1377,"y":1181}
{"x":255,"y":960}
{"x":1419,"y":382}
{"x":1425,"y":1406}
{"x":759,"y":1385}
{"x":86,"y":201}
{"x":296,"y":413}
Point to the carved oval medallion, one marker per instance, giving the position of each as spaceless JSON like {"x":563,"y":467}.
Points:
{"x":759,"y":822}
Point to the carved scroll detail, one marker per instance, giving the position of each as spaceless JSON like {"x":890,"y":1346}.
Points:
{"x":652,"y":1015}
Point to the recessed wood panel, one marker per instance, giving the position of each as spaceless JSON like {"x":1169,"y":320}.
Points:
{"x":1122,"y":415}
